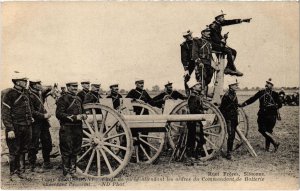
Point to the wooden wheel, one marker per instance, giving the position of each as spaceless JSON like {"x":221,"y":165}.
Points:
{"x":148,"y":143}
{"x":243,"y":125}
{"x":214,"y":132}
{"x":107,"y":143}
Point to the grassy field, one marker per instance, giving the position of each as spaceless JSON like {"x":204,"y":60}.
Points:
{"x":278,"y":170}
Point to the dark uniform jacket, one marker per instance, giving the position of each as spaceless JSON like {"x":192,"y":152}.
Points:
{"x":186,"y":55}
{"x":159,"y":99}
{"x":82,"y":94}
{"x":195,"y":103}
{"x":92,"y":97}
{"x":216,"y":29}
{"x":141,"y":95}
{"x":16,"y":108}
{"x":269,"y":102}
{"x":115,"y":99}
{"x":202,"y":49}
{"x":37,"y":100}
{"x":68,"y":106}
{"x":229,"y":105}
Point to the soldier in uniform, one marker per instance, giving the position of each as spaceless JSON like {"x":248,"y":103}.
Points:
{"x":63,"y":90}
{"x":114,"y":95}
{"x":195,"y":104}
{"x":186,"y":54}
{"x":93,"y":96}
{"x":229,"y":109}
{"x":69,"y":112}
{"x":17,"y":119}
{"x":40,"y":126}
{"x":85,"y":89}
{"x":139,"y":94}
{"x":219,"y":42}
{"x":202,"y":54}
{"x":168,"y":93}
{"x":269,"y":103}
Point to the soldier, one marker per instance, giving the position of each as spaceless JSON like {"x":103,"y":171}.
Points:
{"x":69,"y":112}
{"x":63,"y":90}
{"x":229,"y":109}
{"x":168,"y":93}
{"x":17,"y":119}
{"x":85,"y":89}
{"x":94,"y":95}
{"x":219,"y":42}
{"x":114,"y":94}
{"x":186,"y":54}
{"x":195,"y":104}
{"x":269,"y":103}
{"x":40,"y":126}
{"x":139,"y":94}
{"x":202,"y":54}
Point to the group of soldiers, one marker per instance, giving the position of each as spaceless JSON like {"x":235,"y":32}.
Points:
{"x":196,"y":56}
{"x":26,"y":120}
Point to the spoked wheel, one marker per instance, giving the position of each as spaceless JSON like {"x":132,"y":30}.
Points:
{"x":243,"y":125}
{"x":148,"y":143}
{"x":214,"y":129}
{"x":107,"y":143}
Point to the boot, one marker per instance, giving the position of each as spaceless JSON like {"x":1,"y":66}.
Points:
{"x":238,"y":73}
{"x":276,"y":146}
{"x":228,"y":156}
{"x":47,"y":165}
{"x":267,"y":146}
{"x":22,"y":163}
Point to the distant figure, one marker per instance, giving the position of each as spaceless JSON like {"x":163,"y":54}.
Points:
{"x":168,"y":93}
{"x":85,"y":89}
{"x":114,"y":95}
{"x":282,"y":96}
{"x":269,"y":103}
{"x":219,"y":41}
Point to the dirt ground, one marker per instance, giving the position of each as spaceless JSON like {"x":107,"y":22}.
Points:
{"x":278,"y":170}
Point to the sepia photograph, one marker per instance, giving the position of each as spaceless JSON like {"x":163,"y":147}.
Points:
{"x":150,"y":95}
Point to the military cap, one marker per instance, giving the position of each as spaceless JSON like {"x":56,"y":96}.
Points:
{"x":232,"y":81}
{"x":72,"y":83}
{"x":269,"y":81}
{"x":85,"y":82}
{"x":140,"y":81}
{"x":205,"y":30}
{"x":96,"y":85}
{"x":187,"y":33}
{"x":222,"y":14}
{"x":17,"y":76}
{"x":168,"y":84}
{"x":34,"y":81}
{"x":113,"y":85}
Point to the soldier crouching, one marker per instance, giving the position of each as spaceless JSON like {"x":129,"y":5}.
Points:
{"x":17,"y":119}
{"x":69,"y":112}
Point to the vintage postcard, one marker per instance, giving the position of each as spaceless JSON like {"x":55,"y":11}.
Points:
{"x":149,"y":95}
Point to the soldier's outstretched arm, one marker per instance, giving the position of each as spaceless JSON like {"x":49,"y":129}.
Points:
{"x":252,"y":99}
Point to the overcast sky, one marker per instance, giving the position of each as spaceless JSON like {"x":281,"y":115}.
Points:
{"x":122,"y":41}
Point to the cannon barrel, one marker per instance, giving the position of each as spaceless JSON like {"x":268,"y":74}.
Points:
{"x":160,"y":118}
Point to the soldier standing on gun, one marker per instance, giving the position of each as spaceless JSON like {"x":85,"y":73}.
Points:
{"x":69,"y":112}
{"x":17,"y":119}
{"x":40,"y":126}
{"x":186,"y":54}
{"x":229,"y":109}
{"x":219,"y":41}
{"x":85,"y":89}
{"x":202,"y":54}
{"x":114,"y":95}
{"x":269,"y":103}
